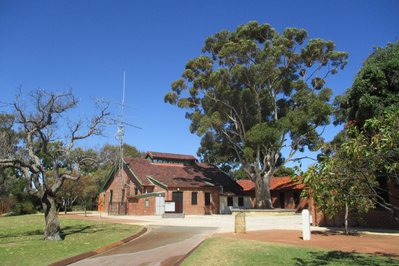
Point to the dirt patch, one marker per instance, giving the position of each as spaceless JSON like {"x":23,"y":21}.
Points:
{"x":382,"y":245}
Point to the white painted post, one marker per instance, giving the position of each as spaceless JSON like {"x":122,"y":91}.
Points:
{"x":305,"y":225}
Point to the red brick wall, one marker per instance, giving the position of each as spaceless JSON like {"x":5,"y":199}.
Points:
{"x":116,"y":185}
{"x":289,"y":199}
{"x":137,"y":206}
{"x":200,"y":208}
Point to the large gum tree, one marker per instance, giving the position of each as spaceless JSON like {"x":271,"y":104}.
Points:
{"x":43,"y":153}
{"x":254,"y":92}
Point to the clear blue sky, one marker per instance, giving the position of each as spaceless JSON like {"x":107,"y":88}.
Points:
{"x":86,"y":46}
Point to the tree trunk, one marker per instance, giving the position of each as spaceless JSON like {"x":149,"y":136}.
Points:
{"x":64,"y":202}
{"x":262,"y":193}
{"x":52,"y":230}
{"x":346,"y":218}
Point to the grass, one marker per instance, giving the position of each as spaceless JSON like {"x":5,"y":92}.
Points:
{"x":21,"y":239}
{"x":228,"y":251}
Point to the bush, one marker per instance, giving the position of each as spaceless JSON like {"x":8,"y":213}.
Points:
{"x":24,"y":207}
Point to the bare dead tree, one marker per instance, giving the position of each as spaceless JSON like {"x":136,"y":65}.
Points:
{"x":44,"y":155}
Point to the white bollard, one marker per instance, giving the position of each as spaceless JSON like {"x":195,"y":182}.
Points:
{"x":305,"y":225}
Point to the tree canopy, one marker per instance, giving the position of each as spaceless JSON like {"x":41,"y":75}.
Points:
{"x":254,"y":92}
{"x":376,"y":88}
{"x":360,"y":166}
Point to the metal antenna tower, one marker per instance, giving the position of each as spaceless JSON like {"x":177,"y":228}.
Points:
{"x":120,"y":135}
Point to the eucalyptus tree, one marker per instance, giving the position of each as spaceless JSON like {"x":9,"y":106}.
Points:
{"x":254,"y":92}
{"x":44,"y":154}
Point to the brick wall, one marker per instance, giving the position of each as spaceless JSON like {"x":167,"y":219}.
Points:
{"x":138,"y":206}
{"x":200,"y":208}
{"x":117,"y":185}
{"x":289,"y":199}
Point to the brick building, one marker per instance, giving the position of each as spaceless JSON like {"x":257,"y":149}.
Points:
{"x":164,"y":182}
{"x":285,"y":193}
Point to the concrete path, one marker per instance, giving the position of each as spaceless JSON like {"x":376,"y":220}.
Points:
{"x":170,"y":239}
{"x":161,"y":245}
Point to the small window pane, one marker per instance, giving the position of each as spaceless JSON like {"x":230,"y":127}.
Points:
{"x":194,"y":198}
{"x":207,"y":198}
{"x":230,"y":201}
{"x":240,"y":201}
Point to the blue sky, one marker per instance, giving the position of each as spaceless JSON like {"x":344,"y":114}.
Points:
{"x":86,"y":46}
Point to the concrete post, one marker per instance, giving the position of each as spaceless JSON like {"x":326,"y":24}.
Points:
{"x":305,"y":225}
{"x":240,"y":223}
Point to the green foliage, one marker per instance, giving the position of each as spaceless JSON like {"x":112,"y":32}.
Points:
{"x":89,"y":192}
{"x":376,"y":87}
{"x":284,"y":171}
{"x":8,"y":136}
{"x":24,"y":203}
{"x":350,"y":175}
{"x":253,"y":90}
{"x":370,"y":110}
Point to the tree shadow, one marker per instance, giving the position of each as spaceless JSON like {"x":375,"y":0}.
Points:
{"x":22,"y":234}
{"x":342,"y":258}
{"x":335,"y":232}
{"x":88,"y":229}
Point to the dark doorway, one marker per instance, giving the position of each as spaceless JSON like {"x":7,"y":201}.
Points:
{"x":282,"y":200}
{"x":177,"y":197}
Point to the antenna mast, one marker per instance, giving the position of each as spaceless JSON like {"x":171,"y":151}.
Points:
{"x":121,"y":127}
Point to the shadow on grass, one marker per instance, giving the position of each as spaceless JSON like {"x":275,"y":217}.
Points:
{"x":19,"y":234}
{"x":343,"y":258}
{"x":88,"y":229}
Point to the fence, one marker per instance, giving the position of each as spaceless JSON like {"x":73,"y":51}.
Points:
{"x":117,"y":208}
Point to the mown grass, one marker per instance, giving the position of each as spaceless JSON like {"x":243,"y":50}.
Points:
{"x":227,"y":251}
{"x":21,"y":239}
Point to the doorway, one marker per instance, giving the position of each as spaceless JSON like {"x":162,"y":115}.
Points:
{"x":177,"y":197}
{"x":282,"y":200}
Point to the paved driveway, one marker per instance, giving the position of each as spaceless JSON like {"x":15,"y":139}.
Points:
{"x":169,"y":239}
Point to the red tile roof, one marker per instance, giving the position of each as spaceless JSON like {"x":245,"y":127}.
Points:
{"x":197,"y":175}
{"x":247,"y":185}
{"x":170,"y":156}
{"x":276,"y":183}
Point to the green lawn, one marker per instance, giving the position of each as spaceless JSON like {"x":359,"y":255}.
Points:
{"x":228,"y":251}
{"x":21,"y":239}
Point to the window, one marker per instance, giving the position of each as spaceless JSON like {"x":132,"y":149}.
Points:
{"x":136,"y":191}
{"x":194,"y":198}
{"x":123,"y":195}
{"x":297,"y":198}
{"x":230,"y":201}
{"x":282,"y":200}
{"x":147,"y":203}
{"x":240,"y":201}
{"x":110,"y":196}
{"x":207,"y":198}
